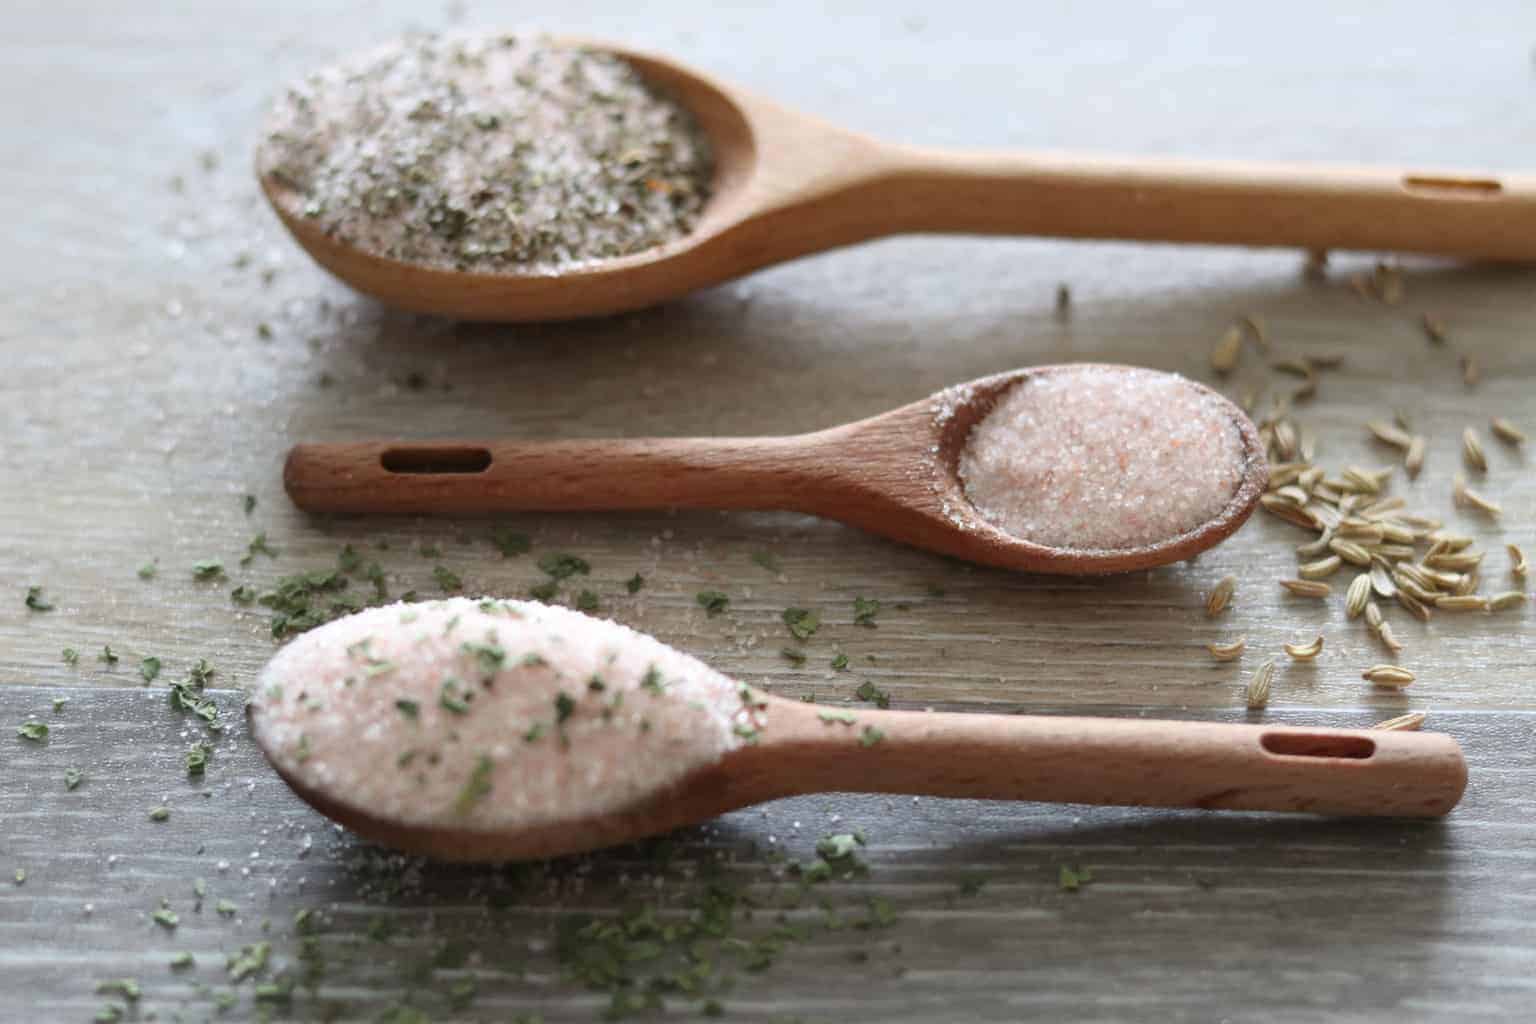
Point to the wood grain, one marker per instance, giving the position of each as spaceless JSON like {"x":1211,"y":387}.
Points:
{"x":895,"y":474}
{"x":1189,"y":916}
{"x":142,"y":398}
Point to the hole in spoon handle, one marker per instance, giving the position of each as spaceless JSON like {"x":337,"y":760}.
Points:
{"x":436,"y":460}
{"x":1453,"y":188}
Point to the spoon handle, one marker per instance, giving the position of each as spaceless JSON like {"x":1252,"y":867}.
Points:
{"x":480,"y":478}
{"x":1129,"y":762}
{"x":1473,"y":215}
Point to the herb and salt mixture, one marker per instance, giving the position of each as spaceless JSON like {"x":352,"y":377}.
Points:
{"x":1103,"y":458}
{"x":490,"y":714}
{"x":493,"y":154}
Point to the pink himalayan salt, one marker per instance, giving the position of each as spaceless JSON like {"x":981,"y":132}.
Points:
{"x":1103,"y":458}
{"x":328,"y":711}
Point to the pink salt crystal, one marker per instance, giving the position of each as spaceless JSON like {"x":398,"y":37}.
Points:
{"x":363,"y":710}
{"x":1103,"y":458}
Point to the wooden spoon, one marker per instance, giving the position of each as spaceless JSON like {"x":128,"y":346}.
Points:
{"x":893,"y":474}
{"x":787,"y":185}
{"x":490,"y":793}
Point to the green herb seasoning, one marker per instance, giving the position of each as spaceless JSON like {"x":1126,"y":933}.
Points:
{"x":840,"y":662}
{"x":243,"y":594}
{"x":126,"y":988}
{"x":864,"y":611}
{"x":544,"y":591}
{"x":793,"y":656}
{"x":477,"y":787}
{"x":71,"y":656}
{"x":1071,"y":879}
{"x":208,"y":569}
{"x":106,"y":657}
{"x":36,"y":601}
{"x":712,"y":601}
{"x":181,"y":961}
{"x":166,"y":918}
{"x":561,"y":565}
{"x":802,"y":622}
{"x":409,"y":708}
{"x":447,"y":580}
{"x":454,"y":696}
{"x":147,"y":571}
{"x":587,"y":601}
{"x":149,"y":668}
{"x":511,"y":543}
{"x":767,"y":560}
{"x":872,"y":693}
{"x":634,"y":583}
{"x":73,"y":778}
{"x":197,"y":759}
{"x":159,"y":813}
{"x":250,"y":503}
{"x":870,"y":736}
{"x":36,"y":732}
{"x":837,"y":717}
{"x":489,"y":153}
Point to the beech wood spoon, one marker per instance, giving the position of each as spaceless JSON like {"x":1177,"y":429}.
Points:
{"x":894,"y":474}
{"x":787,"y":185}
{"x":533,"y":760}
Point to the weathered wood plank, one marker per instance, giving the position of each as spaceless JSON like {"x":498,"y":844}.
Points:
{"x":1189,"y":916}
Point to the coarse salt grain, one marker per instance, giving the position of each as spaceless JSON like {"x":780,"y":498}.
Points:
{"x":1103,"y":458}
{"x":345,"y":739}
{"x":488,"y":153}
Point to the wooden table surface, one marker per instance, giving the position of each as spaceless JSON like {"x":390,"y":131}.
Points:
{"x":164,"y":343}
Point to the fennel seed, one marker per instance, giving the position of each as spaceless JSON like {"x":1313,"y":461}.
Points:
{"x":1387,"y":433}
{"x":1220,"y":596}
{"x":1257,"y":693}
{"x":1224,"y":356}
{"x":1357,"y":596}
{"x":1472,"y":451}
{"x":1307,"y":588}
{"x":1321,"y":568}
{"x":1394,"y":676}
{"x":1507,"y":599}
{"x":1506,"y":431}
{"x":1459,"y":603}
{"x":1307,"y":651}
{"x":1228,"y":651}
{"x":1517,"y":564}
{"x":1411,"y":722}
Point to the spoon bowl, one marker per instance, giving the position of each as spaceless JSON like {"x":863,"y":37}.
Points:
{"x":895,"y":474}
{"x":787,"y":185}
{"x":530,"y":759}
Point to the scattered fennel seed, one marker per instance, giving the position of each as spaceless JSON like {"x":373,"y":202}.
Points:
{"x":1357,"y":596}
{"x":1220,"y":596}
{"x":1307,"y":588}
{"x":1305,"y":652}
{"x":1225,"y":354}
{"x":1411,"y":722}
{"x":1256,"y":695}
{"x":1393,"y":676}
{"x":1506,"y":431}
{"x":1472,"y":451}
{"x":1505,"y":600}
{"x":1230,"y":651}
